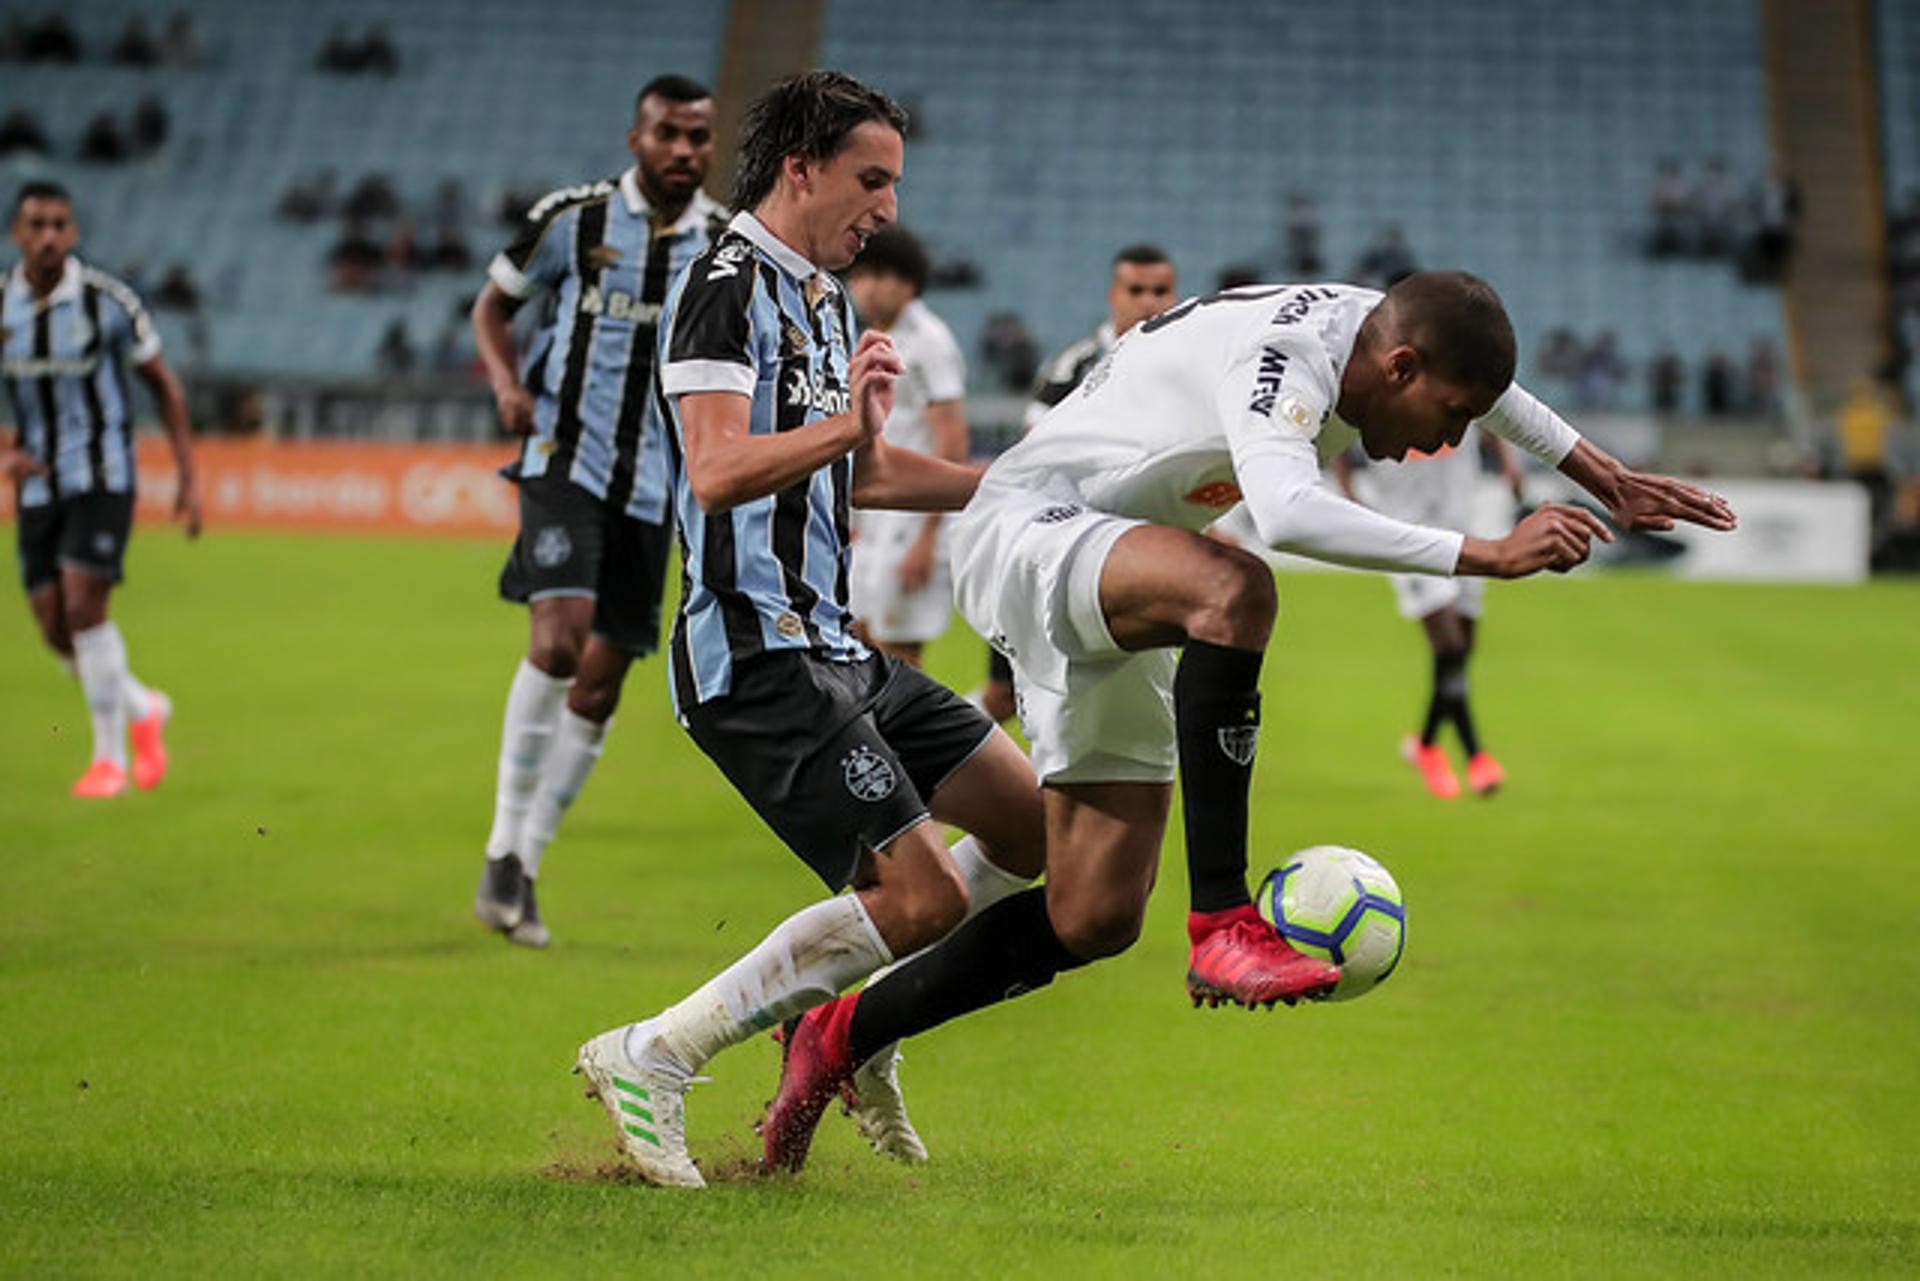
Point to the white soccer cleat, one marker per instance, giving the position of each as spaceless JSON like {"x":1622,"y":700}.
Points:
{"x":874,"y":1101}
{"x":646,"y":1101}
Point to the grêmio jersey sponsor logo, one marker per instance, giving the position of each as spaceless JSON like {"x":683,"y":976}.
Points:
{"x":618,"y":304}
{"x":816,"y":393}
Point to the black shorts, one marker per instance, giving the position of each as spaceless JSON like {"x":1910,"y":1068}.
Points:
{"x":573,"y":544}
{"x":87,"y":532}
{"x":837,"y":757}
{"x":999,"y":669}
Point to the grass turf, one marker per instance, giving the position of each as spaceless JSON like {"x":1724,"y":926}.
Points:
{"x":1657,"y":1015}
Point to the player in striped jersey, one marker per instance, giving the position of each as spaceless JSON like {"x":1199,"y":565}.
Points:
{"x":595,"y":511}
{"x":850,"y":756}
{"x":65,"y":331}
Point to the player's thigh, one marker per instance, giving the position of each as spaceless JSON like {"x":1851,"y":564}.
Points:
{"x":995,"y":796}
{"x":1159,"y":585}
{"x":1103,"y":852}
{"x":84,"y":594}
{"x":554,"y":567}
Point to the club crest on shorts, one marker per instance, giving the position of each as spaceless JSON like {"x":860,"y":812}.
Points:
{"x":868,"y":774}
{"x":103,"y":543}
{"x":1238,"y":741}
{"x":552,"y":547}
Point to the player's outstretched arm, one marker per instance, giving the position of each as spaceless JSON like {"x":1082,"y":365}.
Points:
{"x":172,"y":400}
{"x":907,"y":480}
{"x":1643,"y":500}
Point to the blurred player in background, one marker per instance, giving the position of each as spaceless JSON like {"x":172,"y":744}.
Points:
{"x":66,"y":330}
{"x":595,"y":508}
{"x":1143,"y":285}
{"x":1082,"y":554}
{"x":899,"y":587}
{"x":1437,"y":489}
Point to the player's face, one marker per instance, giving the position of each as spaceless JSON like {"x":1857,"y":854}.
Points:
{"x":46,"y":233}
{"x":1417,"y":409}
{"x":673,"y":141}
{"x":850,"y":195}
{"x":1140,"y":291}
{"x":879,"y":296}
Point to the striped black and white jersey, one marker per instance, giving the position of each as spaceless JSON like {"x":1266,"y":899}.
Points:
{"x":62,"y":365}
{"x":605,"y":262}
{"x":1059,"y":376}
{"x":754,"y":317}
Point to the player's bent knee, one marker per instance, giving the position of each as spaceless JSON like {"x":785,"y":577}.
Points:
{"x":1237,"y":600}
{"x":556,"y":655}
{"x":1104,"y":931}
{"x":595,"y":701}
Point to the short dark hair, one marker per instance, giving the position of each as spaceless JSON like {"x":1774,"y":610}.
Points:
{"x":671,"y":87}
{"x":1142,"y":255}
{"x":810,"y":114}
{"x":1459,"y":326}
{"x":894,"y":251}
{"x":39,"y":189}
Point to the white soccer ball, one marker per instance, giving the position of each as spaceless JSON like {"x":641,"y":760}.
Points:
{"x":1338,"y":904}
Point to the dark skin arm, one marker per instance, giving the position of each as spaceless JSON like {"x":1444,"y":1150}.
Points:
{"x":172,"y":400}
{"x":492,"y":317}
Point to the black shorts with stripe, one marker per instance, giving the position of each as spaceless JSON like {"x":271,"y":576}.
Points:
{"x":837,"y":757}
{"x":573,"y":544}
{"x":87,"y":532}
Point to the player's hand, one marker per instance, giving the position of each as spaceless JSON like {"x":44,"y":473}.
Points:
{"x":1556,"y":537}
{"x":515,"y":404}
{"x":18,"y":464}
{"x":186,"y":507}
{"x":876,"y":367}
{"x":916,"y":567}
{"x":1643,"y":501}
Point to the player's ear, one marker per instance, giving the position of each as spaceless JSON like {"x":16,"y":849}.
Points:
{"x":799,"y":170}
{"x":633,"y":138}
{"x":1403,"y":365}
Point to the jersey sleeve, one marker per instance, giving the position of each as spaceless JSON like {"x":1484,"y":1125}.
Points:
{"x":1523,"y":419}
{"x":1273,"y":402}
{"x":709,"y":345}
{"x":129,"y":328}
{"x":942,"y":367}
{"x":537,"y":258}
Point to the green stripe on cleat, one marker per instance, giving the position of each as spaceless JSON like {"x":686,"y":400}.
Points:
{"x":631,"y":1128}
{"x":634,"y":1109}
{"x":631,"y":1088}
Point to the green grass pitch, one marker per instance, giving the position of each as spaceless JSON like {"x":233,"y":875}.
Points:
{"x":1659,"y":1013}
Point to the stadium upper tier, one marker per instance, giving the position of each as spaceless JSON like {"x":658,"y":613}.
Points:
{"x":1514,"y":139}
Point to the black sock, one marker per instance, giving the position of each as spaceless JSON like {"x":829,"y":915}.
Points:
{"x":1437,"y":711}
{"x":1454,"y":681}
{"x":1216,"y":709}
{"x":1006,"y":950}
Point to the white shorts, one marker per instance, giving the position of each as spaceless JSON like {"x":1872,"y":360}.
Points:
{"x":1419,"y":595}
{"x":1026,"y":573}
{"x":873,"y":580}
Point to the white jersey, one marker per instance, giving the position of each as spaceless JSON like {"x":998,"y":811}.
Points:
{"x":1428,"y":489}
{"x":936,"y":371}
{"x":1220,"y":399}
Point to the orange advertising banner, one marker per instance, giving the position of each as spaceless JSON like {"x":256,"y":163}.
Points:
{"x":427,"y":489}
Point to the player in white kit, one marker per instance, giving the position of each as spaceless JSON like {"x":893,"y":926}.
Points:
{"x":899,"y":585}
{"x":1080,"y":556}
{"x":1438,"y":489}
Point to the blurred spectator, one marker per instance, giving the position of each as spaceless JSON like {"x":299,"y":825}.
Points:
{"x":13,"y":39}
{"x":1236,"y":274}
{"x":1713,"y":207}
{"x":403,"y":250}
{"x":1602,"y":371}
{"x":515,"y":200}
{"x":1303,"y":237}
{"x":1009,"y":351}
{"x":103,"y":143}
{"x":354,"y":261}
{"x":150,"y":125}
{"x":177,"y":291}
{"x":1864,"y":421}
{"x":1561,"y":356}
{"x":309,"y":199}
{"x":452,"y":350}
{"x":181,"y":46}
{"x":450,"y":208}
{"x":51,"y":41}
{"x":377,"y":53}
{"x":1665,"y":379}
{"x":1387,"y":261}
{"x":1763,"y":378}
{"x":339,"y":54}
{"x":344,"y":56}
{"x":395,"y":354}
{"x":1717,"y":393}
{"x":1903,"y":252}
{"x":1776,"y":212}
{"x":20,"y":131}
{"x":449,"y":253}
{"x":136,"y":46}
{"x":372,"y":197}
{"x":1672,"y":208}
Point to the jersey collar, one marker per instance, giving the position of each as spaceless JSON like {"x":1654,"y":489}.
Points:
{"x":698,"y":210}
{"x":66,"y":291}
{"x":774,"y":247}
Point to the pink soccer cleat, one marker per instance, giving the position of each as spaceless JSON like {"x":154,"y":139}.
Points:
{"x":1436,"y":771}
{"x":1484,"y":774}
{"x":103,"y":778}
{"x":149,"y":748}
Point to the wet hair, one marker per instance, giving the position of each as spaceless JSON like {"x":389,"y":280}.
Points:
{"x":812,"y":115}
{"x":672,"y":88}
{"x":1459,"y":326}
{"x":1142,"y":255}
{"x":39,"y":189}
{"x":894,"y":251}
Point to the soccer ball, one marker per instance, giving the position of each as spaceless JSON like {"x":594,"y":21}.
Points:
{"x":1338,"y":904}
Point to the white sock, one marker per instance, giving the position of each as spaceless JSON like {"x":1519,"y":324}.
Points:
{"x":806,"y":961}
{"x":101,"y":659}
{"x":576,"y":747}
{"x":987,"y":884}
{"x":135,"y":697}
{"x":533,"y":708}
